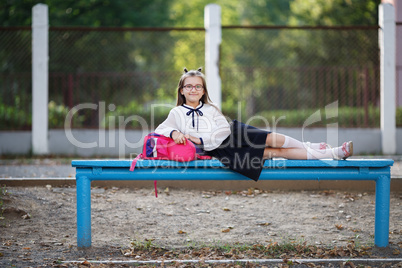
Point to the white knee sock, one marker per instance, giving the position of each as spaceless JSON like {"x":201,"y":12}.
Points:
{"x":293,"y":143}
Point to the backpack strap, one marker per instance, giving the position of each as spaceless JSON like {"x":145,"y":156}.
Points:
{"x":156,"y":189}
{"x":203,"y":157}
{"x":132,"y":167}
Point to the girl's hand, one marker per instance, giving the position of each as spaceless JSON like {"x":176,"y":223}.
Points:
{"x":193,"y":139}
{"x":178,"y":137}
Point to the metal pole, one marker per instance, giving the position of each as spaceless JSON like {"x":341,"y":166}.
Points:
{"x":382,"y":202}
{"x":83,"y":211}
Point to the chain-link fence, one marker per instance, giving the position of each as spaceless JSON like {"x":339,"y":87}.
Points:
{"x":292,"y":72}
{"x":15,"y":78}
{"x":127,"y":69}
{"x":267,"y":72}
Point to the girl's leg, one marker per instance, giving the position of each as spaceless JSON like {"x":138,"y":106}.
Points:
{"x":288,"y":153}
{"x":341,"y":152}
{"x":276,"y":140}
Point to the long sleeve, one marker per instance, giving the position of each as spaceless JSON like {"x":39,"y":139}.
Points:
{"x":170,"y":124}
{"x":210,"y":125}
{"x":220,"y":131}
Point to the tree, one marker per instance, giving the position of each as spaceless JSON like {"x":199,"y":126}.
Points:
{"x":116,"y":13}
{"x":334,"y":12}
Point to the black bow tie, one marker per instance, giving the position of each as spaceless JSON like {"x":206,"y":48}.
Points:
{"x":193,"y":111}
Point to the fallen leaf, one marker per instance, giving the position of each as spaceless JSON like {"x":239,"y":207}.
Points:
{"x":263,"y":223}
{"x":181,"y":232}
{"x":226,"y":209}
{"x":351,"y":264}
{"x":86,"y":263}
{"x":227,"y":230}
{"x":339,"y":226}
{"x":396,"y":252}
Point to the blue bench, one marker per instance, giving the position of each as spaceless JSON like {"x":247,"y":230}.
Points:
{"x":378,"y":170}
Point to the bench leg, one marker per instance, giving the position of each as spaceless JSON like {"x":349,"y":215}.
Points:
{"x":83,"y":185}
{"x":382,"y":200}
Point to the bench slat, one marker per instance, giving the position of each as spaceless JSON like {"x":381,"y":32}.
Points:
{"x":220,"y":174}
{"x":276,"y":163}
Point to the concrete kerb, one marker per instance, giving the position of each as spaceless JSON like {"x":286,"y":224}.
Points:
{"x":367,"y":186}
{"x":360,"y":261}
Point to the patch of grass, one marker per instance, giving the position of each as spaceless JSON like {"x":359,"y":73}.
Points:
{"x":142,"y":245}
{"x":277,"y":250}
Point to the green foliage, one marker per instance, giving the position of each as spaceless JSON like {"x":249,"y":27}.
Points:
{"x":57,"y":115}
{"x":117,"y":13}
{"x":138,"y":115}
{"x":148,"y":116}
{"x":399,"y":116}
{"x":142,"y":245}
{"x":334,"y":12}
{"x":12,"y":117}
{"x":157,"y":56}
{"x":346,"y":117}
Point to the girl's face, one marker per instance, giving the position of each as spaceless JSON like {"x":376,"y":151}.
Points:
{"x":193,"y":90}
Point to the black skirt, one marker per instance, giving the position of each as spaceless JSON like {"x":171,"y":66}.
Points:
{"x":243,"y":150}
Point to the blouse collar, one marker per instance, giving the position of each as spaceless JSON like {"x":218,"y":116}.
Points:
{"x":191,"y":107}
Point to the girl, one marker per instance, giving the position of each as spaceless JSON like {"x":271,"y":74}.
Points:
{"x":241,"y":147}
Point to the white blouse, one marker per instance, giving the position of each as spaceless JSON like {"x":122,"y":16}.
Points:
{"x":205,"y":122}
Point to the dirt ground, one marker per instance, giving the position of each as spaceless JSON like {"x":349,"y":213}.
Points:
{"x":38,"y":224}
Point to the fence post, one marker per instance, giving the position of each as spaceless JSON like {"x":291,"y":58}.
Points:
{"x":213,"y":39}
{"x":388,"y":86}
{"x":40,"y":58}
{"x":398,"y":30}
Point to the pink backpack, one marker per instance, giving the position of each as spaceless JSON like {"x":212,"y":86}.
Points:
{"x":160,"y":147}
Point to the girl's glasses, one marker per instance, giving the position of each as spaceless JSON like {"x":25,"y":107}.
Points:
{"x":190,"y":87}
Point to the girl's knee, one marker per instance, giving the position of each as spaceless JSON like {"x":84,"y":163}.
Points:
{"x":275,"y":140}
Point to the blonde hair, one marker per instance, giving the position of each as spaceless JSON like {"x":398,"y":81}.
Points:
{"x":192,"y":73}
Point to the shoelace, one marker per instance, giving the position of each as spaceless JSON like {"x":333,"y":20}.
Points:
{"x":193,"y":111}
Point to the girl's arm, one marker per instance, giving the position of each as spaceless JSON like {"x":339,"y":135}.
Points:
{"x":167,"y":127}
{"x":219,"y":134}
{"x":180,"y":138}
{"x":170,"y":128}
{"x":193,"y":139}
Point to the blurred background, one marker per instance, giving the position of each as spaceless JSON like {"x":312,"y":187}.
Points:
{"x":278,"y":58}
